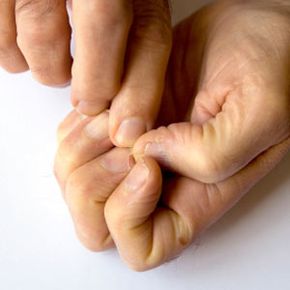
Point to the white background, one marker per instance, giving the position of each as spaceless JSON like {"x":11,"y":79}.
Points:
{"x":247,"y":249}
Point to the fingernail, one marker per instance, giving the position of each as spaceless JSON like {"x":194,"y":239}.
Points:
{"x":137,"y":177}
{"x":116,"y":161}
{"x":129,"y":131}
{"x":90,"y":108}
{"x":157,"y":151}
{"x":98,"y":128}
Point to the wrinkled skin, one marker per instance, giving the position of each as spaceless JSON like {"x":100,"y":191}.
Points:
{"x":113,"y":42}
{"x":225,"y":116}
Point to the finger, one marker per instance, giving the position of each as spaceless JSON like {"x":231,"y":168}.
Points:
{"x":101,"y":32}
{"x":144,"y":237}
{"x":86,"y":192}
{"x":147,"y":238}
{"x":220,"y":147}
{"x":85,"y":143}
{"x":134,"y":109}
{"x":201,"y":205}
{"x":11,"y":58}
{"x":44,"y":39}
{"x":71,"y":121}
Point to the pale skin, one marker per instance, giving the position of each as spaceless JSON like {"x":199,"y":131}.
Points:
{"x":225,"y":118}
{"x":114,"y":41}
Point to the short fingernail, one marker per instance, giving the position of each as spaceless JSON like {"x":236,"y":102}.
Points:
{"x":137,"y":177}
{"x":98,"y":128}
{"x":129,"y":131}
{"x":90,"y":108}
{"x":117,"y":161}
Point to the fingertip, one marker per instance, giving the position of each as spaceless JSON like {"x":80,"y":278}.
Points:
{"x":50,"y":78}
{"x":141,"y":146}
{"x":128,"y":131}
{"x":90,"y":108}
{"x":136,"y":197}
{"x":142,"y":186}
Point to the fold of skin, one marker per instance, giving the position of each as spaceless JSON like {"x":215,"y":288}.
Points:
{"x":156,"y":207}
{"x":227,"y":96}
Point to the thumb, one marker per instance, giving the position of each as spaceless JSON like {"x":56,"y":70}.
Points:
{"x":210,"y":152}
{"x":145,"y":235}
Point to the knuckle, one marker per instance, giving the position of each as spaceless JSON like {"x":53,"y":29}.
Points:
{"x":153,"y":23}
{"x":208,"y":171}
{"x":36,"y":28}
{"x":60,"y":132}
{"x":205,"y":165}
{"x":112,"y":216}
{"x":35,"y":8}
{"x":112,"y":14}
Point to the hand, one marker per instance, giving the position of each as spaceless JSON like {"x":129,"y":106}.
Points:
{"x":88,"y":169}
{"x":147,"y":233}
{"x":149,"y":217}
{"x":234,"y":57}
{"x":122,"y":52}
{"x":36,"y":35}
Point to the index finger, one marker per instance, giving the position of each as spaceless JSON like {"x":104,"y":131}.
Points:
{"x":101,"y":32}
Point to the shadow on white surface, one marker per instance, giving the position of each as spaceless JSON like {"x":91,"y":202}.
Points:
{"x":247,"y":249}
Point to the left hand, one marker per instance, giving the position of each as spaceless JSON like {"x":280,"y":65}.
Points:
{"x":152,"y":217}
{"x":88,"y":168}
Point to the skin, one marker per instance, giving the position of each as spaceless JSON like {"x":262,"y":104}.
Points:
{"x":225,"y":124}
{"x":113,"y":42}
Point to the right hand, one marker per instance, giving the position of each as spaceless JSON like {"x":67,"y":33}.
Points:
{"x":121,"y":57}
